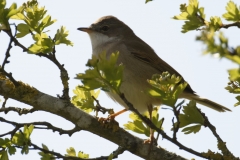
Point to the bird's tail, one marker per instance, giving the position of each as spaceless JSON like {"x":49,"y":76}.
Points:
{"x":207,"y":103}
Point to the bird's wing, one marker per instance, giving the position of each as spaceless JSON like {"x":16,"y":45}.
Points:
{"x":144,"y":53}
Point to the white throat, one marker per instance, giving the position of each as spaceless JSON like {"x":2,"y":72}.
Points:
{"x":98,"y":39}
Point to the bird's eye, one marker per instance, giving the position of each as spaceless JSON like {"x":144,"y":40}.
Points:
{"x":104,"y":28}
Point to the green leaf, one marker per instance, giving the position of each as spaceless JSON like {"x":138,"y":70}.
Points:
{"x":12,"y":10}
{"x":46,"y":156}
{"x":28,"y":131}
{"x":191,"y":129}
{"x":6,"y":143}
{"x":83,"y":155}
{"x":104,"y":73}
{"x":191,"y":116}
{"x":137,"y":125}
{"x":234,"y":74}
{"x":2,"y":4}
{"x":23,"y":30}
{"x":11,"y":150}
{"x":192,"y":15}
{"x":23,"y":138}
{"x":83,"y":99}
{"x":166,"y":87}
{"x":218,"y":44}
{"x":232,"y":13}
{"x":45,"y":23}
{"x":148,"y":1}
{"x":238,"y":103}
{"x":110,"y":157}
{"x":33,"y":15}
{"x":43,"y":44}
{"x":215,"y":23}
{"x":6,"y":13}
{"x":71,"y":152}
{"x":60,"y":37}
{"x":3,"y":155}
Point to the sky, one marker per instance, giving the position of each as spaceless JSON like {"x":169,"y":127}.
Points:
{"x":153,"y":23}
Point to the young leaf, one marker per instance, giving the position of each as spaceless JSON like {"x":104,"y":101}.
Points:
{"x":218,"y":44}
{"x":83,"y":99}
{"x":71,"y":152}
{"x":61,"y":37}
{"x":6,"y":13}
{"x":23,"y":138}
{"x":110,"y":157}
{"x":3,"y":155}
{"x":191,"y":116}
{"x":192,"y":129}
{"x":232,"y":13}
{"x":6,"y":143}
{"x":104,"y":73}
{"x":83,"y":155}
{"x":43,"y":44}
{"x":192,"y":15}
{"x":137,"y":124}
{"x":46,"y":156}
{"x":23,"y":30}
{"x":166,"y":87}
{"x":215,"y":23}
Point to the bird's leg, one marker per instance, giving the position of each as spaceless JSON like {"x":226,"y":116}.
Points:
{"x":110,"y":121}
{"x":112,"y":116}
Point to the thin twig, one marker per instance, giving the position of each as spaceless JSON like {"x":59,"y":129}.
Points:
{"x":36,"y":124}
{"x":100,"y":108}
{"x":4,"y":103}
{"x":164,"y":135}
{"x":117,"y":152}
{"x":20,"y":111}
{"x":223,"y":148}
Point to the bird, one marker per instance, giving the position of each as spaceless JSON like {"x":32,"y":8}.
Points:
{"x":109,"y":34}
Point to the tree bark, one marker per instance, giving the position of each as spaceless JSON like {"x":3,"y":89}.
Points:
{"x":41,"y":101}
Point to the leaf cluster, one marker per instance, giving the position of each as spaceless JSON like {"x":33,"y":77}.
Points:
{"x":72,"y":153}
{"x":166,"y":87}
{"x":6,"y":14}
{"x":21,"y":138}
{"x":194,"y":17}
{"x":217,"y":44}
{"x":84,"y":100}
{"x":103,"y":73}
{"x":138,"y":126}
{"x":34,"y":21}
{"x":190,"y":120}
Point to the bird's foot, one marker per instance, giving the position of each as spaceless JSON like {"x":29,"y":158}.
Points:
{"x":109,"y":122}
{"x":151,"y":140}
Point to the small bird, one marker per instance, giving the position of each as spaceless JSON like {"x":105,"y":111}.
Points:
{"x":109,"y":34}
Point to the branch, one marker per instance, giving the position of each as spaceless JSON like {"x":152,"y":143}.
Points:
{"x":164,"y":135}
{"x":226,"y":26}
{"x":63,"y":74}
{"x":100,"y":108}
{"x":221,"y":145}
{"x":36,"y":124}
{"x":20,"y":111}
{"x":117,"y":152}
{"x":176,"y":111}
{"x":44,"y":102}
{"x":51,"y":57}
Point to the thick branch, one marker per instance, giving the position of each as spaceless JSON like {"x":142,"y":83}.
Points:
{"x":44,"y":102}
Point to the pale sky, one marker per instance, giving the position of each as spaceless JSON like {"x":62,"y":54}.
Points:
{"x":152,"y":22}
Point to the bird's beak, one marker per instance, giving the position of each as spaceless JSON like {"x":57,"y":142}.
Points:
{"x":88,"y":30}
